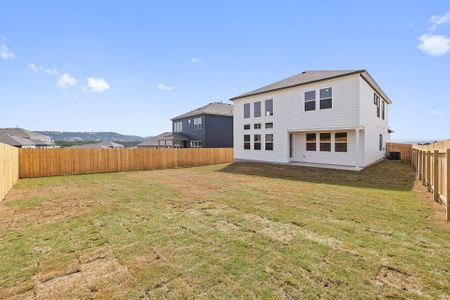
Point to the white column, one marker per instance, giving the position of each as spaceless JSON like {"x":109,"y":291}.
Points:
{"x":357,"y":146}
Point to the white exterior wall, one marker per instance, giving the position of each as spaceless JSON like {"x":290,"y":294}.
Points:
{"x":289,"y":116}
{"x":373,"y":126}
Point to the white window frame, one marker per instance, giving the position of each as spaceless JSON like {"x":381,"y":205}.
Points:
{"x":198,"y":123}
{"x":178,"y":126}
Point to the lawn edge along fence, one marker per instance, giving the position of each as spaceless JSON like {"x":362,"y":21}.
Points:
{"x":9,"y":168}
{"x":432,"y":166}
{"x":72,"y":161}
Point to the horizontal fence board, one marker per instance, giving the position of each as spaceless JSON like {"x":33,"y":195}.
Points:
{"x":71,"y":161}
{"x":404,"y":149}
{"x":9,"y":168}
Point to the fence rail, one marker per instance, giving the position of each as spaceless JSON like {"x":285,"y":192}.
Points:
{"x":432,"y":166}
{"x":9,"y":168}
{"x":404,"y":149}
{"x":71,"y":161}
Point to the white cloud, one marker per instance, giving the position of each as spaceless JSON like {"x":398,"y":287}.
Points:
{"x":163,"y":87}
{"x":197,"y":61}
{"x":98,"y":85}
{"x":435,"y":45}
{"x":38,"y":70}
{"x":437,"y":21}
{"x":5,"y":53}
{"x":66,"y":81}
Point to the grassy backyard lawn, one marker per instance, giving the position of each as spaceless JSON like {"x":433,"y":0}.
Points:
{"x":224,"y":231}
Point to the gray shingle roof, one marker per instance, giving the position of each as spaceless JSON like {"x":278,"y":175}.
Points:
{"x":16,"y":141}
{"x":24,"y":133}
{"x":105,"y":145}
{"x":214,"y":108}
{"x":310,"y":77}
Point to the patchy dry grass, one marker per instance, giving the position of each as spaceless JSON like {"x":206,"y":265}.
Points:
{"x":226,"y":231}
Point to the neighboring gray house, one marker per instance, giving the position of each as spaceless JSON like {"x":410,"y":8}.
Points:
{"x":210,"y":126}
{"x":101,"y":145}
{"x":16,"y":141}
{"x":19,"y":135}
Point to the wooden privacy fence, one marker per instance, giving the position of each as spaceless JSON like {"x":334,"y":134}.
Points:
{"x":9,"y":168}
{"x":70,"y":161}
{"x":432,"y":166}
{"x":404,"y":149}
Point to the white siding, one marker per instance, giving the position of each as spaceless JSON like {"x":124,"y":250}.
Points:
{"x":373,"y":126}
{"x":289,"y":115}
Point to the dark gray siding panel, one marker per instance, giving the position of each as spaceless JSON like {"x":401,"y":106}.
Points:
{"x":219,"y":131}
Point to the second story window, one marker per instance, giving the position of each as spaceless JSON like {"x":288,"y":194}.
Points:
{"x":383,"y":110}
{"x":246,"y":126}
{"x":257,"y":126}
{"x":326,"y":100}
{"x":257,"y":109}
{"x":269,"y":125}
{"x":268,"y":106}
{"x":310,"y":100}
{"x":376,"y":100}
{"x":198,"y":123}
{"x":178,"y":126}
{"x":247,"y":110}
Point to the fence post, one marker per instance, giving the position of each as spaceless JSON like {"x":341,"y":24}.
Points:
{"x":447,"y":179}
{"x":436,"y":175}
{"x":424,"y":167}
{"x":428,"y":182}
{"x":419,"y":165}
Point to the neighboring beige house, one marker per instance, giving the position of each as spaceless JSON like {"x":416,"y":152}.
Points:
{"x":101,"y":145}
{"x":19,"y":135}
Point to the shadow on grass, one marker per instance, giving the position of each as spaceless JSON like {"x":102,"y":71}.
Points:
{"x":386,"y":175}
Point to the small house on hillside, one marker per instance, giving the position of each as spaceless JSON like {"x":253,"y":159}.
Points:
{"x":333,"y":119}
{"x":16,"y":141}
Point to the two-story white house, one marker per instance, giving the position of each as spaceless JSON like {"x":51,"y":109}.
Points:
{"x":333,"y":119}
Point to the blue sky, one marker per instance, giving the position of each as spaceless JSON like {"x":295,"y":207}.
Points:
{"x":129,"y":66}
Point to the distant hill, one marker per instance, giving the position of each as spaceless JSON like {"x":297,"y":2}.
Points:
{"x":91,"y":136}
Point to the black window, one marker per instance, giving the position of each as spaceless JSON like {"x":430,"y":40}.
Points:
{"x":246,"y":126}
{"x":247,"y":110}
{"x":269,"y":125}
{"x":326,"y":100}
{"x":269,"y":141}
{"x":247,"y":142}
{"x":383,"y":108}
{"x":310,"y":100}
{"x":257,"y":142}
{"x":340,"y":142}
{"x":325,"y":142}
{"x":257,"y":109}
{"x":268,"y":107}
{"x":377,"y":102}
{"x":311,"y":142}
{"x":257,"y":126}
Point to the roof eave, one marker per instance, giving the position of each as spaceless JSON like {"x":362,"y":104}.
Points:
{"x":295,"y":85}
